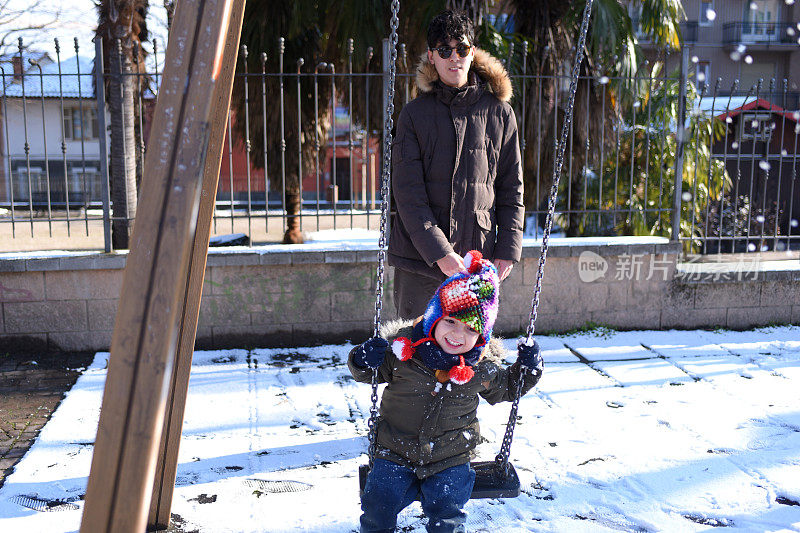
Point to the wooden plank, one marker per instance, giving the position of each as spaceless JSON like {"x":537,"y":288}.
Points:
{"x":167,"y":461}
{"x":146,"y":329}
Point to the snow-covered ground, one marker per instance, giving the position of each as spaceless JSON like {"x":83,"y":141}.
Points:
{"x":628,"y":431}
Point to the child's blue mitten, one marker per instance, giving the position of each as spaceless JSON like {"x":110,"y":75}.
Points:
{"x":528,"y":356}
{"x":371,"y":353}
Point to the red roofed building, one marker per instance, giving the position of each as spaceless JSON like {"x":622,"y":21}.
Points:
{"x":761,"y":156}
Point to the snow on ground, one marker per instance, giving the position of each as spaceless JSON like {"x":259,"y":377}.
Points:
{"x":628,"y":431}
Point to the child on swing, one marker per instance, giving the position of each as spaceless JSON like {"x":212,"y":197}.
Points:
{"x":428,"y":426}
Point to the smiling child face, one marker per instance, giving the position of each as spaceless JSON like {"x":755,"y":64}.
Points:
{"x":454,"y":337}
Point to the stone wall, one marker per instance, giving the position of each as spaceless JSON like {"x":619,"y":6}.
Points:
{"x":289,"y":296}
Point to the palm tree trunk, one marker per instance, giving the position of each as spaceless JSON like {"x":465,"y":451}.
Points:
{"x":293,"y":234}
{"x":123,"y":147}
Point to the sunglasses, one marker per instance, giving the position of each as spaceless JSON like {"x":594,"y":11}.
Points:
{"x":444,"y":51}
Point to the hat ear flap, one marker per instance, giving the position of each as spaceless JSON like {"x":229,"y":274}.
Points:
{"x":403,"y":348}
{"x":472,"y":261}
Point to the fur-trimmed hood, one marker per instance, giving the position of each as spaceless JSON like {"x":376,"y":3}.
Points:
{"x":487,"y":67}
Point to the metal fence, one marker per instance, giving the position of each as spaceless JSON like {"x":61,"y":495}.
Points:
{"x":706,"y":162}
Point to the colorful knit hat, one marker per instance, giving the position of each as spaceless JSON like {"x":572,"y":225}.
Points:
{"x":470,"y":297}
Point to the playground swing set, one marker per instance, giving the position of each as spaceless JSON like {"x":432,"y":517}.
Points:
{"x":135,"y":457}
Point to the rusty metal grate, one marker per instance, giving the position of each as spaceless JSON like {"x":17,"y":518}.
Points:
{"x":273,"y":486}
{"x":44,"y":505}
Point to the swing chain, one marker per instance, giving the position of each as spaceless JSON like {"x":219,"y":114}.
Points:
{"x":373,"y":417}
{"x":386,"y":167}
{"x":505,"y":449}
{"x":385,"y":187}
{"x":562,"y":144}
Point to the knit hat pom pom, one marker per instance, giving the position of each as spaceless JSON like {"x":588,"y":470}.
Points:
{"x":462,"y":373}
{"x":472,"y":261}
{"x":402,"y":348}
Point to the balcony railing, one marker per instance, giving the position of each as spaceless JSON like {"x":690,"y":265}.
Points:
{"x":758,"y":33}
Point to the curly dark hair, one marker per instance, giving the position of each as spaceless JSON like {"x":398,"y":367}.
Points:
{"x":450,"y":25}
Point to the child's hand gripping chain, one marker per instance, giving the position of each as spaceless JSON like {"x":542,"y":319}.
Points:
{"x":529,"y":356}
{"x":371,"y":353}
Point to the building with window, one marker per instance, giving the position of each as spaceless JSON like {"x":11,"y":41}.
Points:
{"x":749,"y":43}
{"x":49,"y":135}
{"x":744,"y":40}
{"x":760,"y":155}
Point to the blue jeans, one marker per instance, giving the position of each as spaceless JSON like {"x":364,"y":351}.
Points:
{"x":391,"y":487}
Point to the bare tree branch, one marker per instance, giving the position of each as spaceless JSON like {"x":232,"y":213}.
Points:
{"x":23,"y":19}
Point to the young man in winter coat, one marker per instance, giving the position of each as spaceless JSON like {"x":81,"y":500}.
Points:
{"x":457,"y":174}
{"x":435,"y":372}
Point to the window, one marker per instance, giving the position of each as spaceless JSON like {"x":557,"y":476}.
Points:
{"x":88,"y":181}
{"x":707,"y":13}
{"x":755,"y":127}
{"x":74,"y":120}
{"x":38,"y":184}
{"x":703,"y":75}
{"x":759,"y":20}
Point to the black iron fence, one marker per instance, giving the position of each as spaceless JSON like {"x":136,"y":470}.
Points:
{"x":706,"y":162}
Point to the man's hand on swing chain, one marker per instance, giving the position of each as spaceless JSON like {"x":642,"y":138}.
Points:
{"x":451,"y":264}
{"x":504,"y":267}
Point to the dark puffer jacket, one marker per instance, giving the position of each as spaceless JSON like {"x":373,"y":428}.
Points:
{"x":475,"y":204}
{"x":429,"y":433}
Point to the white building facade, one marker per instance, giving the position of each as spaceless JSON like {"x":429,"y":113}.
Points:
{"x":49,"y":135}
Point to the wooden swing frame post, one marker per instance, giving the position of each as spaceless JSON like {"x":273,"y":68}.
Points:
{"x":167,"y":462}
{"x":145,"y":388}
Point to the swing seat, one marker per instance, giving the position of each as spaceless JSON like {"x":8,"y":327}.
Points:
{"x":490,"y":482}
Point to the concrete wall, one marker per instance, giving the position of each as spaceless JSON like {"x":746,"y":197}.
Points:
{"x":273,"y":297}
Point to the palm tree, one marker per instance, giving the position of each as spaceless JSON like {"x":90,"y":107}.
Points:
{"x":648,"y":194}
{"x":551,"y":29}
{"x":316,"y":31}
{"x":122,"y":28}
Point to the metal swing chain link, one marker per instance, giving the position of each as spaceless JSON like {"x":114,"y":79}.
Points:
{"x":505,"y":449}
{"x":385,"y":187}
